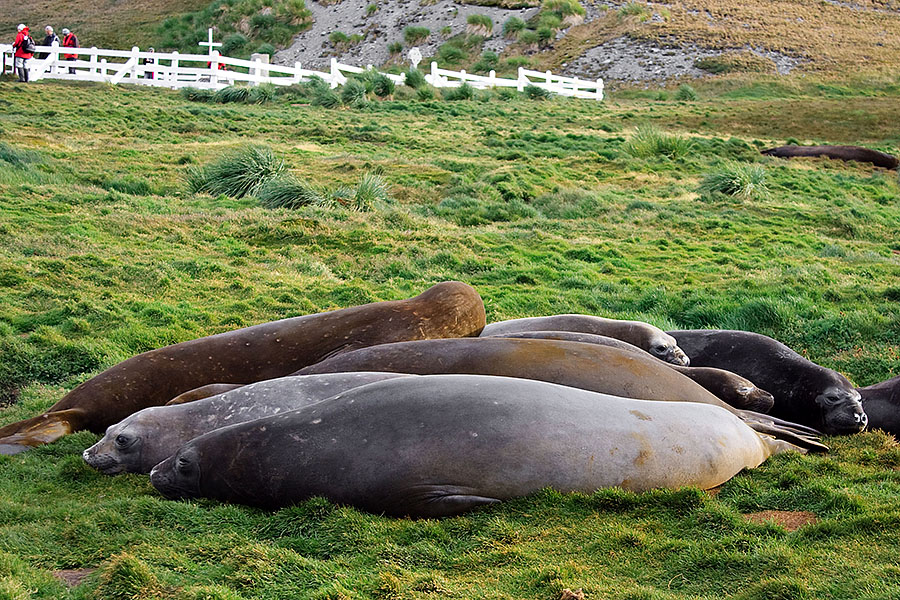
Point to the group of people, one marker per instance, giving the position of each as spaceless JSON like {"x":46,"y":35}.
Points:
{"x":24,"y":47}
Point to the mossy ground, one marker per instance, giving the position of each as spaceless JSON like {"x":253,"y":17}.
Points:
{"x":538,"y":205}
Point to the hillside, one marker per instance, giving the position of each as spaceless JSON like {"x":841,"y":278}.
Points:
{"x":617,"y":40}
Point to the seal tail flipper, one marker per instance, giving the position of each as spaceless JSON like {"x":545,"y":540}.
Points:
{"x":37,"y":431}
{"x":448,"y":506}
{"x":749,"y":415}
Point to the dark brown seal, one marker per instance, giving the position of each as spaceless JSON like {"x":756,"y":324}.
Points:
{"x":730,"y":387}
{"x":857,"y":153}
{"x":643,"y":335}
{"x":882,"y":405}
{"x":587,"y":366}
{"x":804,"y":391}
{"x":247,"y":355}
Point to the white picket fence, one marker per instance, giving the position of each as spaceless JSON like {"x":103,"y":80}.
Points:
{"x":215,"y":71}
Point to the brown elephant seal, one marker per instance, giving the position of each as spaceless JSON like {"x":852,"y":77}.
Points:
{"x":440,"y":445}
{"x":857,"y":153}
{"x":587,"y":366}
{"x":204,"y":391}
{"x":643,"y":335}
{"x":729,"y":387}
{"x":804,"y":391}
{"x":142,"y":440}
{"x":882,"y":405}
{"x":250,"y":354}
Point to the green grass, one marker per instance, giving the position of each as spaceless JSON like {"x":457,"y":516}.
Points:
{"x":542,"y":207}
{"x":236,"y":174}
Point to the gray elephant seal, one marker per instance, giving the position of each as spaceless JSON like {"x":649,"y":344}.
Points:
{"x":729,"y":387}
{"x":643,"y":335}
{"x":142,"y":440}
{"x":265,"y":351}
{"x":882,"y":405}
{"x":857,"y":153}
{"x":804,"y":391}
{"x":587,"y":366}
{"x":440,"y":445}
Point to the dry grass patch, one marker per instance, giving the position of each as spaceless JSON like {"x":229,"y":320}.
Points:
{"x":788,"y":519}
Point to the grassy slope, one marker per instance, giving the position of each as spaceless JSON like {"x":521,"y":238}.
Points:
{"x":538,"y":206}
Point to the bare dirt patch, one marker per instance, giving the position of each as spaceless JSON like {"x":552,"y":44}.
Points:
{"x":72,"y":577}
{"x":790,"y":520}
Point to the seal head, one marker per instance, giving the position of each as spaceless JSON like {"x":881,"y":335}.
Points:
{"x":178,"y":476}
{"x":842,"y":410}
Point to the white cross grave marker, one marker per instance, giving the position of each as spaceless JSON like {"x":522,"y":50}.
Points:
{"x":415,"y":56}
{"x":210,"y":43}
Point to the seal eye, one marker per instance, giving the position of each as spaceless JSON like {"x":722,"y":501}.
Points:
{"x":183,"y":464}
{"x":661,"y":348}
{"x":123,"y":441}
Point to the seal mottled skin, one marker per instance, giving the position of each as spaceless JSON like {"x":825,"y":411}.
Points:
{"x":440,"y":445}
{"x":882,"y":405}
{"x":140,"y":441}
{"x":857,"y":153}
{"x":729,"y":387}
{"x":587,"y":366}
{"x":643,"y":335}
{"x":804,"y":391}
{"x":204,"y":391}
{"x":247,"y":355}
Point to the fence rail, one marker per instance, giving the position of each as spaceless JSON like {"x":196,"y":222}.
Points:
{"x":214,"y":71}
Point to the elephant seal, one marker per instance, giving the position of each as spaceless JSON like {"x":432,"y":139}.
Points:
{"x":250,"y":354}
{"x":440,"y":445}
{"x":882,"y":405}
{"x":142,"y":440}
{"x":729,"y":387}
{"x":804,"y":391}
{"x":857,"y":153}
{"x":643,"y":335}
{"x":587,"y":366}
{"x":204,"y":391}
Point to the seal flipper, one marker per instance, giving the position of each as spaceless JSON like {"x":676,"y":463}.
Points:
{"x":39,"y":430}
{"x":435,"y":501}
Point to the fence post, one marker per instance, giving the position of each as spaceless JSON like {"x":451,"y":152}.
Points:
{"x":173,"y":71}
{"x":55,"y":68}
{"x":134,"y":68}
{"x":214,"y":68}
{"x":297,"y":76}
{"x":599,"y":89}
{"x":258,"y":72}
{"x":335,"y":73}
{"x":103,"y":69}
{"x":434,"y":74}
{"x":93,"y":60}
{"x":493,"y":78}
{"x":520,"y":82}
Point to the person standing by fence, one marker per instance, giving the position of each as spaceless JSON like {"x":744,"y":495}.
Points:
{"x":48,"y":40}
{"x":24,"y":47}
{"x":70,"y":41}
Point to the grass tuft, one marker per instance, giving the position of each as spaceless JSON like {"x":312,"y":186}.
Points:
{"x":286,"y":191}
{"x":741,"y":180}
{"x":236,"y":174}
{"x":648,"y":142}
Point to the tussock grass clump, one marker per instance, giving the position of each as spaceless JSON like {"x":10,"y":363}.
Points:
{"x":197,"y":95}
{"x":415,"y":78}
{"x":325,"y":96}
{"x":414,"y":34}
{"x":237,"y":174}
{"x":479,"y":25}
{"x":232,"y":93}
{"x":536,"y":92}
{"x":463,"y":92}
{"x":383,"y":86}
{"x":286,"y":191}
{"x":648,"y":141}
{"x":686,"y":93}
{"x":512,"y":26}
{"x":741,"y":180}
{"x":736,"y":62}
{"x":354,"y":93}
{"x":489,"y":60}
{"x":639,"y":11}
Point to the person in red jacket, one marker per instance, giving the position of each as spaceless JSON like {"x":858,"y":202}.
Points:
{"x":24,"y":47}
{"x":70,"y":41}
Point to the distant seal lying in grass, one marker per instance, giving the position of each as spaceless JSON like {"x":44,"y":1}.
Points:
{"x":804,"y":391}
{"x":246,"y":355}
{"x":857,"y":153}
{"x":586,"y":366}
{"x":142,"y":440}
{"x":643,"y":335}
{"x":729,"y":387}
{"x":440,"y":445}
{"x":882,"y":405}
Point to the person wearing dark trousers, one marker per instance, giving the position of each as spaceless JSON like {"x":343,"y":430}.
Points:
{"x":24,"y":47}
{"x":70,"y":41}
{"x":48,"y":40}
